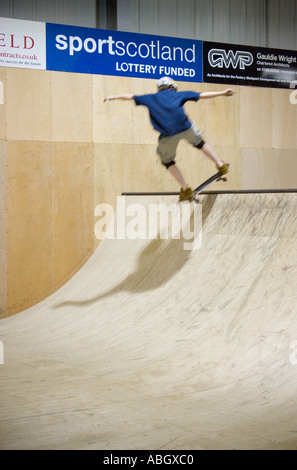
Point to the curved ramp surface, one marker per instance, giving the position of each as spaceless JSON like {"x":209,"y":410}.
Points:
{"x":151,"y":346}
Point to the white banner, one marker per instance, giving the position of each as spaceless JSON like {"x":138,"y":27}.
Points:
{"x":22,"y":44}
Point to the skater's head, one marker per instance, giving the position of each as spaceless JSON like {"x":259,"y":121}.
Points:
{"x":166,"y":82}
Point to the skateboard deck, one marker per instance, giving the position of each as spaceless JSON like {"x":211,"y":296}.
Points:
{"x":216,"y":177}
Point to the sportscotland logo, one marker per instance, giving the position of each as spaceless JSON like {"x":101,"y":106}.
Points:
{"x":222,"y":58}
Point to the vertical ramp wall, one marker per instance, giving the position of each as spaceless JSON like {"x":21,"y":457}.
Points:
{"x":47,"y":136}
{"x":63,"y":151}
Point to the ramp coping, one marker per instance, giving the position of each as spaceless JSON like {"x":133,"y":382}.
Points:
{"x":231,"y":191}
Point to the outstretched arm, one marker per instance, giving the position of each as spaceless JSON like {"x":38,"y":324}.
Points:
{"x":119,"y":97}
{"x":214,"y":94}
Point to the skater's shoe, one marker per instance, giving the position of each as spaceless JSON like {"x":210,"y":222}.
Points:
{"x":186,"y":194}
{"x":223,"y":169}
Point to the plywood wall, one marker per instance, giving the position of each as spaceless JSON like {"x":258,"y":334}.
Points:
{"x":3,"y":200}
{"x":63,"y":151}
{"x":268,"y":139}
{"x":3,"y":230}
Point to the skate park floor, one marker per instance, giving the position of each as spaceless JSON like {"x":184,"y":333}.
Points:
{"x":152,"y":346}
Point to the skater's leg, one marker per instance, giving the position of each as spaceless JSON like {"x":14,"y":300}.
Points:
{"x":176,"y":173}
{"x":210,"y":153}
{"x":185,"y":191}
{"x":195,"y":138}
{"x":167,"y":151}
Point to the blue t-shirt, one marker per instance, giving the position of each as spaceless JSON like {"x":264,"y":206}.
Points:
{"x":166,"y":109}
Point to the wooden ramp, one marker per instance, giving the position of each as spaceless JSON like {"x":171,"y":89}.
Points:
{"x":151,"y":346}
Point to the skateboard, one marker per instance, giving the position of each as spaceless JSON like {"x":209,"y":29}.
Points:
{"x":216,"y":177}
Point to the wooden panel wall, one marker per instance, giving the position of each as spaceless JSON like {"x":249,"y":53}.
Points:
{"x":46,"y":127}
{"x":63,"y":151}
{"x":3,"y":199}
{"x":268,"y":139}
{"x":71,"y":107}
{"x":73,"y":208}
{"x":28,"y":113}
{"x":3,"y":230}
{"x":29,"y":223}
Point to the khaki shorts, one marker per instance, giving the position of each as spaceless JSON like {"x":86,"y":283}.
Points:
{"x":167,"y":145}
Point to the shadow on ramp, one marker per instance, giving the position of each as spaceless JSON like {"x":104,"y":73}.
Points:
{"x":158,"y":262}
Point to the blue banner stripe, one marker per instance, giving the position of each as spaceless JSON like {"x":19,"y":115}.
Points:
{"x":116,"y":53}
{"x":104,"y":52}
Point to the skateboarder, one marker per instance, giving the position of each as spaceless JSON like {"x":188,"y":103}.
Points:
{"x":169,"y":119}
